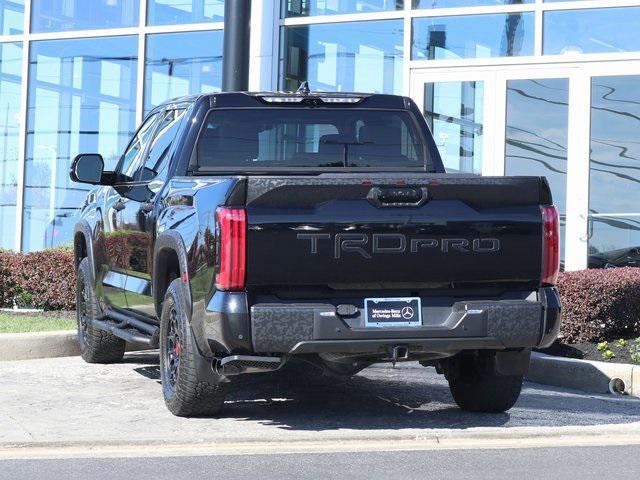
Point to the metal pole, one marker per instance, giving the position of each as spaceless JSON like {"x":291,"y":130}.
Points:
{"x":235,"y":60}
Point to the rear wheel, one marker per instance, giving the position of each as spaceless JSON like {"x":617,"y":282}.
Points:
{"x":96,"y":346}
{"x":187,"y":390}
{"x":476,"y":387}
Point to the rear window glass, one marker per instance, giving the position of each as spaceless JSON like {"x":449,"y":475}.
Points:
{"x":291,"y":137}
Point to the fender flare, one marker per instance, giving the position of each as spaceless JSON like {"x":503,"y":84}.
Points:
{"x":170,"y":240}
{"x":83,"y":227}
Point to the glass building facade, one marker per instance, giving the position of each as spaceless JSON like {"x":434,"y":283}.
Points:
{"x":508,"y":87}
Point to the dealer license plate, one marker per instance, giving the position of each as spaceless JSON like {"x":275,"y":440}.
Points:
{"x":393,"y":312}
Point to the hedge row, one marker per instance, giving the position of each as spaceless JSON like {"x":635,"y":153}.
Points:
{"x":600,"y":304}
{"x":38,"y":280}
{"x":597,"y":304}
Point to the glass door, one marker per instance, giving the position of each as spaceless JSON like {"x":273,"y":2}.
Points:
{"x":505,"y":121}
{"x":455,"y":114}
{"x":455,"y":109}
{"x":575,"y":124}
{"x":537,"y":134}
{"x":614,"y":171}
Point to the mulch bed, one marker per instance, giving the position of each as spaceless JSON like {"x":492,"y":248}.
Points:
{"x":589,"y":351}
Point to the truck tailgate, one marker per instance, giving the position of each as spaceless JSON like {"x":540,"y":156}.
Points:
{"x":352,"y":231}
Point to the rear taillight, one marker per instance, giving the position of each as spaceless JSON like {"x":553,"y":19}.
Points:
{"x":232,"y":248}
{"x":550,"y":245}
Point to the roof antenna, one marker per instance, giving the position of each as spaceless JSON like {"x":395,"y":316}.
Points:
{"x":303,"y":89}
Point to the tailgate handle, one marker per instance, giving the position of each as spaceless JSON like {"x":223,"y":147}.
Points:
{"x":397,"y":196}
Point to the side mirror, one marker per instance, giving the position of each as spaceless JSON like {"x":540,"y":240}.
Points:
{"x":87,"y":168}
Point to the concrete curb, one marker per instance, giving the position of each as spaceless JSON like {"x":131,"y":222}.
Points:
{"x":27,"y":346}
{"x":586,"y":375}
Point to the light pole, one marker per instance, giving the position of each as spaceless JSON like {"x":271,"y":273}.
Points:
{"x":235,"y":59}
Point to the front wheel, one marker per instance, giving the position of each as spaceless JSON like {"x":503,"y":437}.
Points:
{"x":96,"y":346}
{"x":186,"y":391}
{"x":477,"y":388}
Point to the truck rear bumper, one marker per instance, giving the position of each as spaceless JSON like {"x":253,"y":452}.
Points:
{"x":317,"y":328}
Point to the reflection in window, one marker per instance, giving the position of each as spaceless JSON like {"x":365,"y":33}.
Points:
{"x":454,"y":112}
{"x":537,"y":135}
{"x":305,"y":8}
{"x":614,"y":242}
{"x":354,"y":56}
{"x":181,"y":64}
{"x":602,"y":30}
{"x":131,"y":160}
{"x":63,"y":15}
{"x":81,"y":99}
{"x":472,"y":36}
{"x":464,"y":3}
{"x":10,"y":61}
{"x":615,"y":149}
{"x":614,"y":223}
{"x":11,"y":17}
{"x":157,"y":163}
{"x":168,"y":12}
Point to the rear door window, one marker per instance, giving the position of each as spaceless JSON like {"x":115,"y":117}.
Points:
{"x":132,"y":157}
{"x":157,"y":163}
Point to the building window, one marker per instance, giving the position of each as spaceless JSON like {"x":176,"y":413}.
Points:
{"x":306,"y":8}
{"x":171,"y":12}
{"x":455,"y":114}
{"x":352,"y":56}
{"x":81,"y":99}
{"x":464,"y":3}
{"x":614,"y":224}
{"x":602,"y":30}
{"x":181,"y":64}
{"x":534,"y":147}
{"x":472,"y":36}
{"x":10,"y":79}
{"x":63,"y":15}
{"x":11,"y":16}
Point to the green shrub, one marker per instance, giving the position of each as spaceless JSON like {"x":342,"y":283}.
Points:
{"x":43,"y":279}
{"x":600,"y":304}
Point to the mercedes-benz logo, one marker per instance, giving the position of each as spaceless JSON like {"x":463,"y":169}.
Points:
{"x":407,"y":313}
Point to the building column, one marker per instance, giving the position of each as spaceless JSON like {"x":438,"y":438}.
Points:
{"x":264,"y":45}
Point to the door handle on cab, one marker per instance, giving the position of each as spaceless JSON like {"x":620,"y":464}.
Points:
{"x":398,"y":196}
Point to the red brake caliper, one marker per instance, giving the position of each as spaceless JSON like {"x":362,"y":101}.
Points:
{"x":177,"y":348}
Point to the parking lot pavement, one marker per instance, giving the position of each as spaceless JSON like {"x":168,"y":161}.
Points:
{"x":65,"y":401}
{"x":584,"y":463}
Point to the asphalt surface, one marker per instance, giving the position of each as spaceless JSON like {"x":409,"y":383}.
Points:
{"x":620,"y":462}
{"x":64,"y":401}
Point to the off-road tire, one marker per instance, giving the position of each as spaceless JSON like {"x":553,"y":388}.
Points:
{"x":187,"y":393}
{"x":96,"y":346}
{"x":483,"y":390}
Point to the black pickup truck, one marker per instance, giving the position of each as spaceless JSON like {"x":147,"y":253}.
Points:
{"x":241,"y":230}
